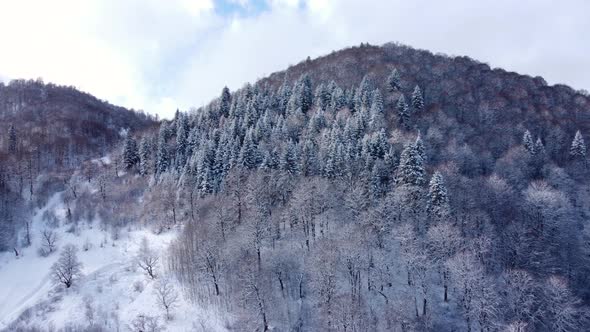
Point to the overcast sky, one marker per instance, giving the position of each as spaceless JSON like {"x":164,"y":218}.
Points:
{"x":158,"y":55}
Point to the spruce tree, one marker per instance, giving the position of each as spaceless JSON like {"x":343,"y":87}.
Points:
{"x":393,"y":81}
{"x":289,"y":159}
{"x":420,"y":147}
{"x":12,"y":139}
{"x":338,"y":100}
{"x":225,"y":102}
{"x":273,"y":159}
{"x":144,"y":156}
{"x":309,"y":159}
{"x":130,"y":153}
{"x":306,"y":93}
{"x":364,"y":94}
{"x":403,"y":112}
{"x":527,"y":142}
{"x":438,"y":201}
{"x":320,"y":96}
{"x":249,"y":155}
{"x":539,"y":147}
{"x":417,"y":99}
{"x":377,"y":119}
{"x":411,"y":169}
{"x":379,"y":180}
{"x":162,"y":158}
{"x":578,"y":147}
{"x":181,"y":141}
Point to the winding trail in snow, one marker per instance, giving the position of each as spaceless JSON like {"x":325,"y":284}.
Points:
{"x":10,"y":314}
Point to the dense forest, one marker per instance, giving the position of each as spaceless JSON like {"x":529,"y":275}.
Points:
{"x":372,"y":189}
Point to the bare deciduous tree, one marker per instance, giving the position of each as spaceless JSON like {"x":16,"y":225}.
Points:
{"x":67,"y":268}
{"x":167,"y":296}
{"x":147,"y":258}
{"x":145,"y":323}
{"x":49,"y":242}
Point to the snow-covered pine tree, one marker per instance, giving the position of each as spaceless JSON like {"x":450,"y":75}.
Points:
{"x":377,"y":144}
{"x":306,"y":93}
{"x":225,"y":102}
{"x":411,"y":167}
{"x":289,"y":161}
{"x":319,"y":96}
{"x":309,"y":159}
{"x":162,"y":157}
{"x":379,"y":180}
{"x":337,"y":100}
{"x":284,"y":95}
{"x":144,"y":156}
{"x":403,"y":112}
{"x":130,"y":153}
{"x":578,"y":147}
{"x":249,"y":155}
{"x":363,"y":95}
{"x":317,"y":121}
{"x":539,"y":147}
{"x":181,"y":140}
{"x":417,"y":99}
{"x":12,"y":139}
{"x":377,"y":120}
{"x":393,"y":81}
{"x":527,"y":142}
{"x":438,"y":206}
{"x":419,"y":143}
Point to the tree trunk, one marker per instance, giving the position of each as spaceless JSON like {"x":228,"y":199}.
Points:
{"x":192,"y":205}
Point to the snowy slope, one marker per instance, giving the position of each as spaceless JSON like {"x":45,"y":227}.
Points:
{"x":111,"y":288}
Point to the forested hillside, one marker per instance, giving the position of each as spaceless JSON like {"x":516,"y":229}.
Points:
{"x":373,"y":189}
{"x":48,"y":131}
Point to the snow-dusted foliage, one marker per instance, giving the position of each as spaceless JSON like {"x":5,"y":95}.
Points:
{"x":375,"y":189}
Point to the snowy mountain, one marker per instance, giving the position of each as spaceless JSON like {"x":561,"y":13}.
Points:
{"x":372,"y":189}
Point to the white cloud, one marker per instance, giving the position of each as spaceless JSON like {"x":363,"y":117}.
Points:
{"x":157,"y":55}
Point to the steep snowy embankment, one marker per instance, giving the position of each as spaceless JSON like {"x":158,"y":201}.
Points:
{"x":112,"y":292}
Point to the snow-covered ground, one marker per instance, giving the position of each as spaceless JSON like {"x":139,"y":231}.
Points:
{"x":113,"y":288}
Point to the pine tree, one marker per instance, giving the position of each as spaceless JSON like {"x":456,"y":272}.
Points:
{"x":411,"y":169}
{"x":162,"y":158}
{"x":377,"y":120}
{"x":320,"y":97}
{"x":539,"y":147}
{"x":379,"y":180}
{"x":378,"y":144}
{"x":317,"y":121}
{"x":130,"y":154}
{"x":578,"y":147}
{"x":181,"y":141}
{"x":273,"y":159}
{"x":403,"y":112}
{"x":289,"y":159}
{"x":393,"y":81}
{"x":309,"y":159}
{"x":306,"y":93}
{"x":527,"y":142}
{"x":338,"y":100}
{"x":417,"y":99}
{"x":225,"y":102}
{"x":364,"y":94}
{"x":12,"y":139}
{"x":438,"y":201}
{"x":144,"y":156}
{"x":249,"y":155}
{"x":420,"y":148}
